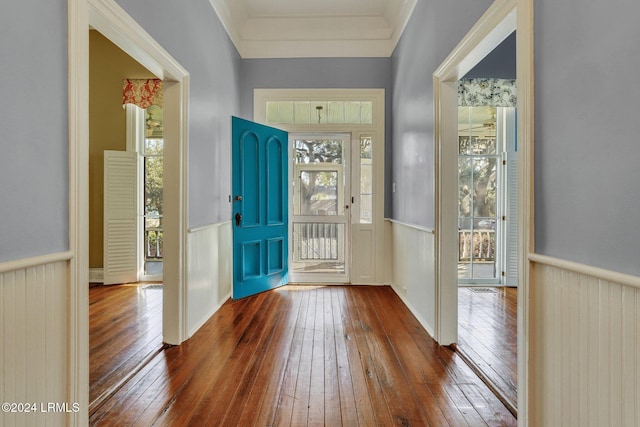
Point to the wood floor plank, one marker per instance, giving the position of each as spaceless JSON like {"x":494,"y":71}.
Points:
{"x":345,"y":379}
{"x":209,"y":388}
{"x":306,"y":356}
{"x":332,"y":407}
{"x":284,"y":408}
{"x":300,"y":410}
{"x":421,"y":378}
{"x":254,"y":368}
{"x":125,"y":327}
{"x":262,"y":402}
{"x":316,"y":414}
{"x":188,"y":360}
{"x":404,"y":408}
{"x":355,"y":328}
{"x":488,"y":335}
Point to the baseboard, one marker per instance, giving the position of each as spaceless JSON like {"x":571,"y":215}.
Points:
{"x":205,"y":318}
{"x":415,"y":313}
{"x":96,"y":275}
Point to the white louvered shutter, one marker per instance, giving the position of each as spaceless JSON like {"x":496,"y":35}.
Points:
{"x":120,"y":217}
{"x":511,"y":228}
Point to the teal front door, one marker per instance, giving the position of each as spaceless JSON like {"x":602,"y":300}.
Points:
{"x":260,"y":208}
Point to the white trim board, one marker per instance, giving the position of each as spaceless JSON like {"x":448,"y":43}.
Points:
{"x":587,"y":270}
{"x":21,"y":264}
{"x":417,"y":227}
{"x":500,"y":20}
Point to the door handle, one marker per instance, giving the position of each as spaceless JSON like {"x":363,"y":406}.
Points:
{"x":238,"y":219}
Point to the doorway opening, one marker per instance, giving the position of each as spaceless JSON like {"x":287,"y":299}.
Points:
{"x":125,"y":316}
{"x":498,"y":22}
{"x":108,"y":19}
{"x":319,"y":209}
{"x":147,"y":139}
{"x":487,"y":222}
{"x":336,"y":186}
{"x":487,"y":196}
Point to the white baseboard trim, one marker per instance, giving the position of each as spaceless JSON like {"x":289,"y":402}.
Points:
{"x":205,"y":318}
{"x":415,"y":313}
{"x":96,"y":275}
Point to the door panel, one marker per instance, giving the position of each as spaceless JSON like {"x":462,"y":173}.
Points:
{"x":260,"y":215}
{"x":120,"y":217}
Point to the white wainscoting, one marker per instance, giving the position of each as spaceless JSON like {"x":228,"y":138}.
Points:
{"x":414,"y":270}
{"x":584,"y":346}
{"x":209,"y":272}
{"x":34,"y":332}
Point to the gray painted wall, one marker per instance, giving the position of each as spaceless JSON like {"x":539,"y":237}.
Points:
{"x":587,"y":198}
{"x":434,"y":29}
{"x":499,"y":64}
{"x":34,"y":195}
{"x":587,"y":152}
{"x":195,"y":37}
{"x":317,"y":73}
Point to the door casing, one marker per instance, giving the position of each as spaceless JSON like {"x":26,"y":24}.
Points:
{"x":499,"y":21}
{"x":370,"y":236}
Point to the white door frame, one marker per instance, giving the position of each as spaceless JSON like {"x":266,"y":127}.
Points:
{"x":500,"y":20}
{"x":374,"y":231}
{"x":343,"y":200}
{"x":115,"y":24}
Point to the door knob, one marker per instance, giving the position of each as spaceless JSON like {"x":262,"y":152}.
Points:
{"x":238,"y":219}
{"x":238,"y":198}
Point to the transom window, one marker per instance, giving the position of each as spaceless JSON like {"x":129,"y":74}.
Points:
{"x":319,"y":112}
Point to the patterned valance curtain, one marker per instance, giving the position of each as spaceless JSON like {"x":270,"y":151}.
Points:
{"x":487,"y":92}
{"x":142,"y":93}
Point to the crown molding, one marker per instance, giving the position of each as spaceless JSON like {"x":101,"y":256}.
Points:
{"x":318,"y":36}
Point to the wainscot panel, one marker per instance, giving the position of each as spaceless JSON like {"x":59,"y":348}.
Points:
{"x":209,"y":272}
{"x":584,"y":347}
{"x":413,"y":270}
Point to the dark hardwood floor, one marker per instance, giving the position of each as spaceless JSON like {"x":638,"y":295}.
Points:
{"x":297,"y":356}
{"x":125,"y":330}
{"x":487,"y":336}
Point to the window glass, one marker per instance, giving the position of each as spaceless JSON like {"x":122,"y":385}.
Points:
{"x":366,"y":180}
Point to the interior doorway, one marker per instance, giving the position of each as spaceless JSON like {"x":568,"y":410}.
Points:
{"x":498,"y":22}
{"x":125,"y":320}
{"x":487,"y":223}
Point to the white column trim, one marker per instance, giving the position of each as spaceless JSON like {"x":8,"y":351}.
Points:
{"x":78,"y":291}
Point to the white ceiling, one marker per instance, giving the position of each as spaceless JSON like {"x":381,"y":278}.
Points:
{"x":314,"y":28}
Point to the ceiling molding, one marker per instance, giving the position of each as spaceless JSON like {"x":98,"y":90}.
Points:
{"x":259,"y":29}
